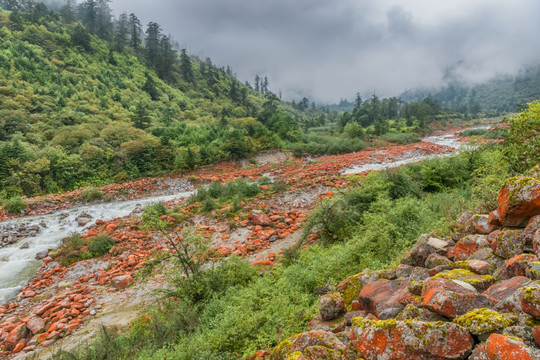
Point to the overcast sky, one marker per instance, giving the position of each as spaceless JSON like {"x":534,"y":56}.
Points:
{"x":331,"y":49}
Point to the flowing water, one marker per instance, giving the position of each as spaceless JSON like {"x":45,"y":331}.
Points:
{"x":18,"y":265}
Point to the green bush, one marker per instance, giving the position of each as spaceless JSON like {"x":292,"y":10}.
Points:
{"x":91,"y":193}
{"x":400,"y":138}
{"x":15,"y":205}
{"x":151,"y":214}
{"x":473,"y":132}
{"x":100,"y":245}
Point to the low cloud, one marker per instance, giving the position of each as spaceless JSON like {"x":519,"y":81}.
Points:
{"x":327,"y":50}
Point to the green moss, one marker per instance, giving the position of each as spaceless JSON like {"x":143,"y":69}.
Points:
{"x":529,"y":295}
{"x":295,"y":355}
{"x":481,"y":321}
{"x":351,"y":290}
{"x":462,"y":264}
{"x":465,"y":276}
{"x":379,"y":324}
{"x":283,"y":348}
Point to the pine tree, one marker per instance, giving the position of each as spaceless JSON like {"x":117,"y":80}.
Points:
{"x":185,"y":66}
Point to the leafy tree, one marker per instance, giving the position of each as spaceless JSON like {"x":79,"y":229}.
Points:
{"x":186,"y":68}
{"x":141,"y":119}
{"x":80,"y":37}
{"x":135,"y":31}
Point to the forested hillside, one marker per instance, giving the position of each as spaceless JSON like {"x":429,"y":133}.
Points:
{"x":504,"y":93}
{"x":85,"y":98}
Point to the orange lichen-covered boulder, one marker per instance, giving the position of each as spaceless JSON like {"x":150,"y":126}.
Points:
{"x":331,"y":307}
{"x":450,"y":298}
{"x":468,"y":245}
{"x":122,"y":281}
{"x":412,"y":340}
{"x":519,"y":200}
{"x":385,"y":298}
{"x":258,"y":217}
{"x":503,"y":347}
{"x":15,"y":335}
{"x":307,"y":345}
{"x":508,"y":243}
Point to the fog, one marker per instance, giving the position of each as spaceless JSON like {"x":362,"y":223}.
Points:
{"x":327,"y":50}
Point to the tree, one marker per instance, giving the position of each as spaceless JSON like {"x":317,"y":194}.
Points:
{"x":135,"y":32}
{"x":257,"y":83}
{"x":153,"y":35}
{"x":141,"y":120}
{"x":121,"y":33}
{"x":185,"y":66}
{"x":150,"y":87}
{"x":67,"y":12}
{"x":80,"y":37}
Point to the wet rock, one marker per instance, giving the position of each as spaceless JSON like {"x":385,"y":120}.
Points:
{"x":42,"y":254}
{"x":385,"y":299}
{"x":508,"y":243}
{"x":26,"y":245}
{"x":502,"y":347}
{"x":331,"y":307}
{"x":519,"y":200}
{"x":413,"y":340}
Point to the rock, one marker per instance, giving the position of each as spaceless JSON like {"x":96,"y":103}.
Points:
{"x":42,"y":254}
{"x":449,"y":299}
{"x":502,"y":347}
{"x":508,"y":243}
{"x":519,"y":265}
{"x":258,"y":217}
{"x":530,"y":301}
{"x":525,"y":333}
{"x":468,"y":245}
{"x":122,"y":281}
{"x":411,"y":340}
{"x":353,"y":314}
{"x":482,"y":321}
{"x":478,"y":266}
{"x":481,"y":224}
{"x":384,"y":299}
{"x":15,"y":335}
{"x":507,"y":293}
{"x":519,"y":200}
{"x":412,"y":312}
{"x":310,"y":342}
{"x":532,"y":227}
{"x":493,"y":219}
{"x":333,"y":326}
{"x":26,"y":245}
{"x":479,"y":282}
{"x":36,"y":325}
{"x":331,"y":307}
{"x":479,"y":353}
{"x":425,"y":246}
{"x":435,"y":260}
{"x":350,"y":287}
{"x":536,"y":334}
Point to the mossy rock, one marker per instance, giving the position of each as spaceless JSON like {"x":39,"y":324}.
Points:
{"x":480,"y":282}
{"x":482,"y":321}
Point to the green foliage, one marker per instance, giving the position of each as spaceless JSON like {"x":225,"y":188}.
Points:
{"x":91,"y":193}
{"x":15,"y":205}
{"x":151,"y":214}
{"x":319,"y":144}
{"x":400,"y":138}
{"x":473,"y":132}
{"x":100,"y":245}
{"x":222,"y":193}
{"x":522,"y":144}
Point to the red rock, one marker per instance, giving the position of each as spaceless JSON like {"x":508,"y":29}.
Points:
{"x":15,"y":335}
{"x":411,"y":340}
{"x":308,"y":341}
{"x":519,"y":200}
{"x":36,"y":325}
{"x":468,"y":245}
{"x":518,"y":265}
{"x":501,"y":347}
{"x":478,"y":266}
{"x":507,"y":293}
{"x":384,"y":299}
{"x":481,"y":224}
{"x":447,"y":298}
{"x":41,"y":310}
{"x":18,"y":347}
{"x":122,"y":281}
{"x":258,"y":217}
{"x":493,"y":218}
{"x":536,"y":335}
{"x":530,"y":302}
{"x":479,"y":353}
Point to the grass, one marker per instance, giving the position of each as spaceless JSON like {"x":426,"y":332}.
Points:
{"x":74,"y":248}
{"x":400,"y":138}
{"x":15,"y":205}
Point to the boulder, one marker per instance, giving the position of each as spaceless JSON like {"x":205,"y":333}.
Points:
{"x":15,"y":335}
{"x":258,"y":217}
{"x":122,"y":281}
{"x":478,"y":266}
{"x":333,"y":326}
{"x":507,"y":293}
{"x":35,"y":325}
{"x":450,"y":299}
{"x":493,"y":219}
{"x":481,"y":224}
{"x":530,"y":301}
{"x":425,"y":246}
{"x":351,"y":286}
{"x":435,"y":260}
{"x":502,"y":347}
{"x":508,"y":243}
{"x":520,"y":265}
{"x":412,"y":340}
{"x":385,"y":299}
{"x":331,"y":307}
{"x":479,"y":353}
{"x":468,"y":245}
{"x":483,"y":321}
{"x":519,"y":200}
{"x":307,"y":343}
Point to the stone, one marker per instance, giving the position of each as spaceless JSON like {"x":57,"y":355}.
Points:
{"x":42,"y":254}
{"x":331,"y":307}
{"x":519,"y":200}
{"x":536,"y":334}
{"x":435,"y":260}
{"x":519,"y":265}
{"x":502,"y":347}
{"x":425,"y":246}
{"x":478,"y":282}
{"x":508,"y":243}
{"x":493,"y":219}
{"x":530,"y":301}
{"x":351,"y":286}
{"x":481,"y":224}
{"x":35,"y":325}
{"x":311,"y":339}
{"x":411,"y":340}
{"x":122,"y":281}
{"x":532,"y":227}
{"x":333,"y":326}
{"x":15,"y":335}
{"x":479,"y":353}
{"x":449,"y":299}
{"x":384,"y":298}
{"x":25,"y":245}
{"x":412,"y":312}
{"x":468,"y":245}
{"x":258,"y":217}
{"x":478,"y":266}
{"x":507,"y":293}
{"x":482,"y":321}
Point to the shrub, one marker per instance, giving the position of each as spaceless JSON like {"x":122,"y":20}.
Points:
{"x":400,"y":138}
{"x":151,"y":214}
{"x":15,"y":205}
{"x":91,"y":193}
{"x":473,"y":132}
{"x":100,"y":245}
